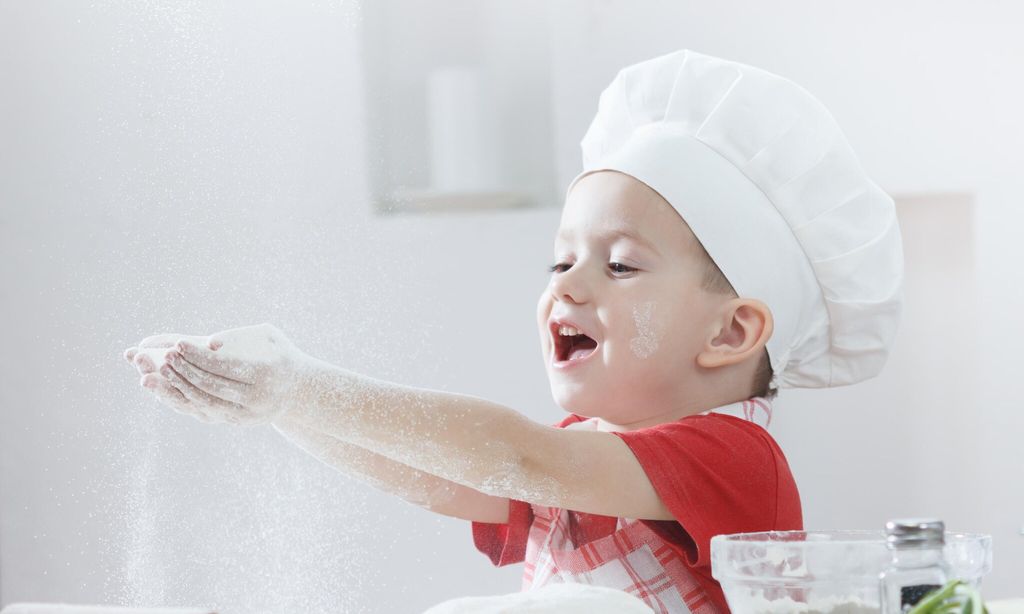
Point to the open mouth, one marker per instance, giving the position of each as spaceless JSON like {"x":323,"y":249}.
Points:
{"x":573,"y":347}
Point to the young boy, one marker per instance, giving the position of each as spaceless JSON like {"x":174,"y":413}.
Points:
{"x":721,"y":241}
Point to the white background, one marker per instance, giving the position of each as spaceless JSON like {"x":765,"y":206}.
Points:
{"x":194,"y":166}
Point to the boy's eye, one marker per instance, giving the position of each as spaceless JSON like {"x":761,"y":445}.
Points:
{"x":555,"y":268}
{"x":617,"y":267}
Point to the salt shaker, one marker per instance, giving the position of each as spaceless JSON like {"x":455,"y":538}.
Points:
{"x":917,"y":567}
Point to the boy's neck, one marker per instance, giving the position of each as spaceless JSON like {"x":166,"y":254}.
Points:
{"x":692,"y":409}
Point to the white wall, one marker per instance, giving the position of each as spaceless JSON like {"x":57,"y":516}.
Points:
{"x":193,"y":166}
{"x":507,"y":43}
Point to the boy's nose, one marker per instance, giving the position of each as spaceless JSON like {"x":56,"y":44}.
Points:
{"x":569,"y":286}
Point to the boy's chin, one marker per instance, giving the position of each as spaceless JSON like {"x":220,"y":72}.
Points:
{"x":576,"y":402}
{"x":581,"y":413}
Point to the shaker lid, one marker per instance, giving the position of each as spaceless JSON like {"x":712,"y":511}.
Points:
{"x":915,"y":533}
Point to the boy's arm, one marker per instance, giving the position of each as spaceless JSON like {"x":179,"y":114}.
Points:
{"x":479,"y":444}
{"x":419,"y":488}
{"x":464,"y":439}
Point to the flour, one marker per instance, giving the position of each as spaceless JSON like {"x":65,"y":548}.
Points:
{"x":62,"y":608}
{"x":156,"y":352}
{"x":825,"y":605}
{"x":261,"y":343}
{"x":645,"y":343}
{"x":568,"y":598}
{"x":152,"y":359}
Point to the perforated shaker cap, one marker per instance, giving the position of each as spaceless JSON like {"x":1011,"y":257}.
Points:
{"x":915,"y":533}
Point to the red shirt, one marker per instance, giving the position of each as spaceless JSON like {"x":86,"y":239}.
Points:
{"x":716,"y":473}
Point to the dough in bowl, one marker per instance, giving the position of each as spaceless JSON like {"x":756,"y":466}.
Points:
{"x":571,"y":598}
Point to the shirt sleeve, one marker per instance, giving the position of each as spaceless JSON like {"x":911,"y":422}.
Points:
{"x":505,"y":543}
{"x":716,"y":474}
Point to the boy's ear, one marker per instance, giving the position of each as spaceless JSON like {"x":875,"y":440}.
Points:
{"x":742,"y":329}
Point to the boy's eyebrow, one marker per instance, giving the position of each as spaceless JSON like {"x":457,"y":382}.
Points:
{"x":616,"y":233}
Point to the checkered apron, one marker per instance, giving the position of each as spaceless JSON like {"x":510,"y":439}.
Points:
{"x":633,"y":558}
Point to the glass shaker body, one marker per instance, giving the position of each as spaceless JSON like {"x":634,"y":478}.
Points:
{"x":918,"y":565}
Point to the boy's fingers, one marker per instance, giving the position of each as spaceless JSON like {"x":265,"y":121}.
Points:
{"x":210,"y":361}
{"x":163,"y":389}
{"x":184,"y":405}
{"x":169,"y":395}
{"x":212,"y":405}
{"x":144,"y":363}
{"x":166,"y":393}
{"x":215,"y":385}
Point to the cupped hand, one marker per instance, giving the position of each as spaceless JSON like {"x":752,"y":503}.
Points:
{"x":151,"y":353}
{"x":149,"y":356}
{"x":249,"y":375}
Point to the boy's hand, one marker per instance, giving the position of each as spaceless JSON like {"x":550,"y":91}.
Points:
{"x":149,"y":356}
{"x":151,"y":352}
{"x":249,"y":375}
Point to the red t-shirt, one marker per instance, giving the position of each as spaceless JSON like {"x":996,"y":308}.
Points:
{"x":715,"y":473}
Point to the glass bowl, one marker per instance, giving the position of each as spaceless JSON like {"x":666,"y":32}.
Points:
{"x":822,"y":571}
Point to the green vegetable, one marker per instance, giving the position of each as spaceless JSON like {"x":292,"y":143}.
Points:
{"x":956,"y":597}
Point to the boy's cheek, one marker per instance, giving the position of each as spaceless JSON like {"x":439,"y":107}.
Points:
{"x":543,"y":312}
{"x":543,"y":306}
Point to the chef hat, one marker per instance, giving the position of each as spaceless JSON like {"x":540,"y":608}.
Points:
{"x":762,"y":174}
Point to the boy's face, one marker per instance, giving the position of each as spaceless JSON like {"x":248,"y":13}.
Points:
{"x":638,"y":300}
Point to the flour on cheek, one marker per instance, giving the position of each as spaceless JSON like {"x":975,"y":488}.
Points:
{"x":645,"y":343}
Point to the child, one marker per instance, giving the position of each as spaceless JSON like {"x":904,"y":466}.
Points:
{"x":722,"y":241}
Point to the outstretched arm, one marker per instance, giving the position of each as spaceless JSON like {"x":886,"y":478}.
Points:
{"x":255,"y":375}
{"x":417,"y":487}
{"x":479,"y":444}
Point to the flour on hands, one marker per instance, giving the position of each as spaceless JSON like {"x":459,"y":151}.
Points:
{"x":249,"y":375}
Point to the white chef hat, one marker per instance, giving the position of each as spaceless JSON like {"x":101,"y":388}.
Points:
{"x":762,"y":174}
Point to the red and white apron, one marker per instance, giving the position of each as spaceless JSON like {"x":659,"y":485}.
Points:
{"x":633,"y":558}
